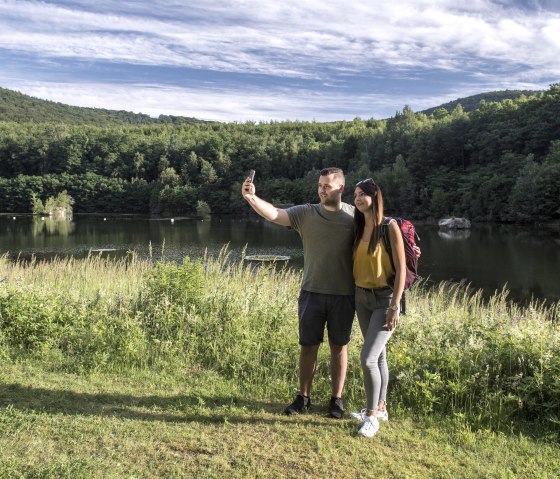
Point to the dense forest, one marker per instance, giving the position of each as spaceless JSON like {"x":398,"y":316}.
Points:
{"x":15,"y":106}
{"x":498,"y":161}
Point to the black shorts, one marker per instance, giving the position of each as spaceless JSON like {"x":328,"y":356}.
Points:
{"x":316,"y":309}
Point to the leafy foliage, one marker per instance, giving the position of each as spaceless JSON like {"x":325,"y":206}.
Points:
{"x":483,"y":162}
{"x":62,"y":200}
{"x":15,"y":106}
{"x":473,"y":102}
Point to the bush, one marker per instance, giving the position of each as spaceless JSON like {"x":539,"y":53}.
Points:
{"x":171,"y":299}
{"x":30,"y":321}
{"x":87,"y":336}
{"x":101,"y":336}
{"x":494,"y":362}
{"x":175,"y":285}
{"x":202,"y":209}
{"x":62,"y":201}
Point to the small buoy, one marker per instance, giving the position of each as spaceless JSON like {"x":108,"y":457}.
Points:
{"x":104,"y":219}
{"x":43,"y":218}
{"x":14,"y":217}
{"x":172,"y":220}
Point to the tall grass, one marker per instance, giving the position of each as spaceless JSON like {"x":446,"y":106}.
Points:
{"x":96,"y":275}
{"x":491,"y":363}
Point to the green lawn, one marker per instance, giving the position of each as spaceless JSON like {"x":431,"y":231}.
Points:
{"x":194,"y":423}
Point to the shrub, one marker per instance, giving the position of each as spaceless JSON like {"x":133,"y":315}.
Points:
{"x":103,"y":335}
{"x":62,"y":201}
{"x":202,"y":209}
{"x":30,"y":321}
{"x":172,"y":296}
{"x":494,"y":361}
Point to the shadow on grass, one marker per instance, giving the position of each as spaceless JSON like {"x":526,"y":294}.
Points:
{"x":177,"y":408}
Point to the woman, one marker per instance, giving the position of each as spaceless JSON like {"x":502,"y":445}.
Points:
{"x":377,"y":304}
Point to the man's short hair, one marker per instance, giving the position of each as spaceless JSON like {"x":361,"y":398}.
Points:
{"x":333,"y":170}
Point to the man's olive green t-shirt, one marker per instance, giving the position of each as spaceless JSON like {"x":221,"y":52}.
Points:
{"x":327,"y":247}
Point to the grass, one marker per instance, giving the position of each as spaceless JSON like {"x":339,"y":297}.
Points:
{"x":94,"y":276}
{"x":198,"y":424}
{"x":137,"y":369}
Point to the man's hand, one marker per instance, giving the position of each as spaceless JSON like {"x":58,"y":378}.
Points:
{"x":248,"y":188}
{"x":417,"y":251}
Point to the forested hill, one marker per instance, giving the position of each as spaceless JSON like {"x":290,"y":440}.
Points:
{"x":15,"y":106}
{"x":471,"y":103}
{"x":499,"y":162}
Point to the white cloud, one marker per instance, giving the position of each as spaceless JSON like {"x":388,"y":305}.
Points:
{"x":352,"y":34}
{"x":214,"y":104}
{"x":301,"y":40}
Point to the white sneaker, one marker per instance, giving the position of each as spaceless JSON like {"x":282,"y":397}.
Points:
{"x":360,"y":416}
{"x":369,"y":427}
{"x":383,"y":415}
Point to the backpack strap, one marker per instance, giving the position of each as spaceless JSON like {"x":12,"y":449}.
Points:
{"x":387,"y":243}
{"x":385,"y":238}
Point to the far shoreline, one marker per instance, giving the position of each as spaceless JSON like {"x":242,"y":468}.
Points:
{"x":552,"y":224}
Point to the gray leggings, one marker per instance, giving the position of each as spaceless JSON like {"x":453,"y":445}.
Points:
{"x":371,"y":307}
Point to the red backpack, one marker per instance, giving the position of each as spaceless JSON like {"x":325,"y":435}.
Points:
{"x":411,"y":259}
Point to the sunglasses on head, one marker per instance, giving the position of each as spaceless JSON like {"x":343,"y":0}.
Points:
{"x":367,"y":180}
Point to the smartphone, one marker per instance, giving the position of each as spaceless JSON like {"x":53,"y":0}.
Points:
{"x":251,"y":174}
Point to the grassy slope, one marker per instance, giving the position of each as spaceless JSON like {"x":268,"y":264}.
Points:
{"x":196,"y":424}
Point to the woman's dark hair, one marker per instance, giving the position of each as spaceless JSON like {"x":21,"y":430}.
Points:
{"x":370,"y":188}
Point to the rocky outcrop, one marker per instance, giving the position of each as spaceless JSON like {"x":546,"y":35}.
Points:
{"x":454,"y":223}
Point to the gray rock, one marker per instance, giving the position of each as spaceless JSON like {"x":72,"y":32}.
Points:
{"x":454,"y":223}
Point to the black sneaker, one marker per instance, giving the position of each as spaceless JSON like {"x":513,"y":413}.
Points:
{"x":336,"y":408}
{"x":300,"y":404}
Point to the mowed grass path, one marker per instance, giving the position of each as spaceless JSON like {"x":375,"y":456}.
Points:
{"x":193,"y":423}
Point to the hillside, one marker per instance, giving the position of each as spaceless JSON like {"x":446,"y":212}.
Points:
{"x":481,"y":164}
{"x":20,"y":108}
{"x":471,"y":103}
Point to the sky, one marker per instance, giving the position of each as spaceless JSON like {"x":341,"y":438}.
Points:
{"x":261,"y":60}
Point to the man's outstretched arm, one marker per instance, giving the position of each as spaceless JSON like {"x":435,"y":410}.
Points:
{"x":262,"y":207}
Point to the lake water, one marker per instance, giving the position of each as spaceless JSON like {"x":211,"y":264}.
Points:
{"x":487,"y":257}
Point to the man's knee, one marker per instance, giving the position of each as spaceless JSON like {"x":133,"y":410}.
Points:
{"x":309,"y":350}
{"x":337,"y":350}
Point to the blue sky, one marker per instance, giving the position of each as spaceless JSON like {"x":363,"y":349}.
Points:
{"x":262,"y":60}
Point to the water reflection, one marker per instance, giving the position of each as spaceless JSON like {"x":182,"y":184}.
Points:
{"x":527,"y":260}
{"x":454,"y":234}
{"x":49,"y":226}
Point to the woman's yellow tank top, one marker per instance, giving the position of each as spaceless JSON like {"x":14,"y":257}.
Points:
{"x":372,"y":271}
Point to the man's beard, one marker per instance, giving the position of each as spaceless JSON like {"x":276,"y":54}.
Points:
{"x":330,"y":201}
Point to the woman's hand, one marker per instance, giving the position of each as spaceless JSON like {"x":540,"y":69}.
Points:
{"x":392,"y":319}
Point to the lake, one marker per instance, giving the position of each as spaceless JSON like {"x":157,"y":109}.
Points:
{"x":488,"y":257}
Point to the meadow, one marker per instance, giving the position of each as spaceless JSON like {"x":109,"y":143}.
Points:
{"x":134,"y":368}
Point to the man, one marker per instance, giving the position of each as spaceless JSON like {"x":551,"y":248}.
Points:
{"x":327,"y":289}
